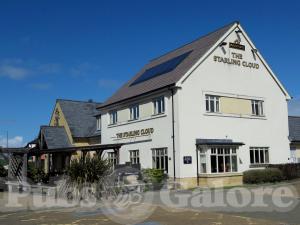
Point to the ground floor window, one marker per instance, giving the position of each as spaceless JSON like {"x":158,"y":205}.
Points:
{"x":160,"y":158}
{"x":202,"y":161}
{"x":134,"y":156}
{"x":113,"y":158}
{"x":223,"y":160}
{"x":259,"y":155}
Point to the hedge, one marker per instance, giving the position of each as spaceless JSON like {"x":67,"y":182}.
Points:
{"x":290,"y":170}
{"x":257,"y":176}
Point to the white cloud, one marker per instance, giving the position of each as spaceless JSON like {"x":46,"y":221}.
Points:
{"x":294,"y":107}
{"x":17,"y":69}
{"x":16,"y":141}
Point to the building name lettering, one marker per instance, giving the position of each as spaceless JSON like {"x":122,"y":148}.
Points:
{"x":236,"y":60}
{"x":135,"y":133}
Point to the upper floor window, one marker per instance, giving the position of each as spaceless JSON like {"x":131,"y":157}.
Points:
{"x":113,"y":117}
{"x":98,"y":123}
{"x":259,"y":155}
{"x":134,"y":112}
{"x":212,"y":103}
{"x":159,"y":105}
{"x":257,"y":107}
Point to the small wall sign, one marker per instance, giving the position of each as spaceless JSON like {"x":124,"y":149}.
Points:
{"x":187,"y":159}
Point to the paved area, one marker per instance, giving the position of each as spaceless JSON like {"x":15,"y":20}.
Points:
{"x":172,"y":207}
{"x":160,"y":216}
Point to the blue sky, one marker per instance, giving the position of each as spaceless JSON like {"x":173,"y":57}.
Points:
{"x":87,"y":49}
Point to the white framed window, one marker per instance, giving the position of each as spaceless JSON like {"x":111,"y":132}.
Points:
{"x":159,"y":105}
{"x":259,"y":155}
{"x":257,"y":107}
{"x":134,"y":156}
{"x":203,"y":164}
{"x":223,"y":160}
{"x":134,"y":112}
{"x":160,"y":159}
{"x":98,"y":119}
{"x":113,"y":158}
{"x":212,"y":103}
{"x":113,"y":117}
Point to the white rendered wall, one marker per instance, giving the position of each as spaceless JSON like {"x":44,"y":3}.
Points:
{"x":220,"y":78}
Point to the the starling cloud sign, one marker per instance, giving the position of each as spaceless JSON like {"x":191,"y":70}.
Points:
{"x":135,"y":133}
{"x":236,"y":59}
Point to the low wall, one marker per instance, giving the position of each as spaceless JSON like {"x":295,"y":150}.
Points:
{"x":211,"y":181}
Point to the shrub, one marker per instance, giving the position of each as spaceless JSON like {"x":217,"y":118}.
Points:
{"x":37,"y":175}
{"x":155,"y":176}
{"x":257,"y":176}
{"x":88,"y":169}
{"x":3,"y":171}
{"x":290,"y":170}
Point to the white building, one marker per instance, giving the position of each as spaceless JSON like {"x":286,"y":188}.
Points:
{"x":204,"y":112}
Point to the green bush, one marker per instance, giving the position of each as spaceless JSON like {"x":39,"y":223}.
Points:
{"x":290,"y":170}
{"x":88,"y":169}
{"x":257,"y":176}
{"x":3,"y":171}
{"x":37,"y":175}
{"x":155,"y":176}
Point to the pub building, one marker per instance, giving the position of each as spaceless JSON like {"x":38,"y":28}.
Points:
{"x":204,"y":112}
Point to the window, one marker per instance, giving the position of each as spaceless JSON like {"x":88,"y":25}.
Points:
{"x":257,"y":108}
{"x":259,"y":155}
{"x":202,"y":161}
{"x":113,"y":158}
{"x":223,"y":160}
{"x":134,"y":156}
{"x":134,"y":112}
{"x":212,"y":103}
{"x":113,"y":117}
{"x":98,"y":123}
{"x":159,"y":105}
{"x":160,"y":159}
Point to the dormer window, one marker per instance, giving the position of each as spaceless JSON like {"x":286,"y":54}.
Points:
{"x":98,"y":123}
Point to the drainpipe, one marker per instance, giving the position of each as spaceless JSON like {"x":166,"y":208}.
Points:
{"x":173,"y":135}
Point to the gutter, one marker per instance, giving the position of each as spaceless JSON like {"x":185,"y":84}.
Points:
{"x":173,"y":134}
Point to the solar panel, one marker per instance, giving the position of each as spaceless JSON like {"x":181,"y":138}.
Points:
{"x":161,"y":69}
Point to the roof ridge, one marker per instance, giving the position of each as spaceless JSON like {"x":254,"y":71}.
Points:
{"x":295,"y":116}
{"x":197,"y":39}
{"x":81,"y":101}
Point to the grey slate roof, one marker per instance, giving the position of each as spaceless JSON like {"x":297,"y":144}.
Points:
{"x":55,"y":137}
{"x":198,"y":47}
{"x":80,"y":116}
{"x":294,"y":128}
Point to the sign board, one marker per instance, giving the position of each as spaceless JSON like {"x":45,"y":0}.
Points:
{"x":187,"y":159}
{"x":236,"y":46}
{"x":135,"y":133}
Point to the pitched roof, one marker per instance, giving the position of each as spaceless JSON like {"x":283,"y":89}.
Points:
{"x":194,"y":51}
{"x":55,"y":137}
{"x":80,"y":116}
{"x":294,"y":128}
